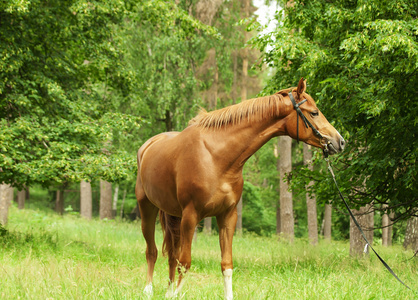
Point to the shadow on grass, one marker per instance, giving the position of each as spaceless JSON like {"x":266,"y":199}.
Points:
{"x":34,"y":240}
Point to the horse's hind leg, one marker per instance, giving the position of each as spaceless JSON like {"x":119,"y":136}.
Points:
{"x":171,"y":246}
{"x":188,"y":224}
{"x":149,"y":214}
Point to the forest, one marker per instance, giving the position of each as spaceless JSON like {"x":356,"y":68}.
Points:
{"x":83,"y":84}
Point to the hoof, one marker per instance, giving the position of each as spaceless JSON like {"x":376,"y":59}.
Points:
{"x":171,"y":291}
{"x":148,"y":290}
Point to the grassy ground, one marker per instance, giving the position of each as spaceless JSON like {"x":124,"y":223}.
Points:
{"x":43,"y":256}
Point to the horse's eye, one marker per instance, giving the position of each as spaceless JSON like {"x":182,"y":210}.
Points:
{"x":315,"y":114}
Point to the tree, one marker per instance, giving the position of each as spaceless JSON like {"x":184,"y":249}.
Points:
{"x":327,"y":221}
{"x":246,"y":13}
{"x":59,"y":201}
{"x":86,"y":200}
{"x":115,"y":200}
{"x":6,"y":197}
{"x":286,"y":204}
{"x":51,"y":122}
{"x":360,"y":60}
{"x":21,"y":197}
{"x":310,"y":199}
{"x":164,"y":46}
{"x":207,"y":225}
{"x":54,"y":119}
{"x":387,"y":229}
{"x":411,"y":234}
{"x":105,"y":200}
{"x":364,"y":217}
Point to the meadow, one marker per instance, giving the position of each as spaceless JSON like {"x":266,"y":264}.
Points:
{"x":45,"y":256}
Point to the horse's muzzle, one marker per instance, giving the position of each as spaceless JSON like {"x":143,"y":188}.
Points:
{"x":335,"y":145}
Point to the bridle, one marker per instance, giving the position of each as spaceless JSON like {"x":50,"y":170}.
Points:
{"x":306,"y":121}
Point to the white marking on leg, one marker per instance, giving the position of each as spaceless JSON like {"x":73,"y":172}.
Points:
{"x":179,"y":288}
{"x":148,"y":290}
{"x":170,"y":291}
{"x":228,"y":284}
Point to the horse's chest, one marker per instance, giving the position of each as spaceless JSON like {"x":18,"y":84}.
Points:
{"x":227,"y":195}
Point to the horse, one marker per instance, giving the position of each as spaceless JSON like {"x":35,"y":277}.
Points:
{"x":197,"y":173}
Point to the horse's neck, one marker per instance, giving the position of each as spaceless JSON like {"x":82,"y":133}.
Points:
{"x":257,"y":136}
{"x":237,"y":143}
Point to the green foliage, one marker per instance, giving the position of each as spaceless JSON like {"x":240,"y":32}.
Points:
{"x":52,"y":126}
{"x":260,"y":194}
{"x":256,"y":216}
{"x":360,"y":61}
{"x":164,"y":45}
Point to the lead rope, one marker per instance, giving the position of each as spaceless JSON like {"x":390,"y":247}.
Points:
{"x":358,"y":226}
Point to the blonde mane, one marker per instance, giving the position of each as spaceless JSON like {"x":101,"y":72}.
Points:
{"x":252,"y":110}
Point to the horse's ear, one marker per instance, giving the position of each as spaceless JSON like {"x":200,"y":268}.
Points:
{"x":301,"y":86}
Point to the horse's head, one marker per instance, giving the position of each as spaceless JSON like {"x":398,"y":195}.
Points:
{"x":308,"y":124}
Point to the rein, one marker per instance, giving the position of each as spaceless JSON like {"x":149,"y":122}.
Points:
{"x":326,"y":153}
{"x":358,"y":226}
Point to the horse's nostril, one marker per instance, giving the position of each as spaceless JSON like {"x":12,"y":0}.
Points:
{"x":342,"y":143}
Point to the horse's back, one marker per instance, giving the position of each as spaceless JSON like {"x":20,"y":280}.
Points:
{"x":153,"y":140}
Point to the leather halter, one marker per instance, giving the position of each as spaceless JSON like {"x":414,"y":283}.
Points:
{"x":306,"y":121}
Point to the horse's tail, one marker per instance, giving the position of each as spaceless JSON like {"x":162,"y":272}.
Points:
{"x":171,"y":231}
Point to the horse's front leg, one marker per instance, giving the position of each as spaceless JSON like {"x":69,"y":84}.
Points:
{"x":226,"y":223}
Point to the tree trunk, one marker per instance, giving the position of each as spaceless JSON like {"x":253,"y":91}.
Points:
{"x":115,"y":200}
{"x":59,"y":202}
{"x":286,"y":204}
{"x":386,"y":230}
{"x":234,"y":93}
{"x":105,"y":200}
{"x":194,"y":241}
{"x":310,"y":199}
{"x":244,"y":96}
{"x":86,"y":200}
{"x":411,"y":234}
{"x":370,"y":223}
{"x":238,"y":227}
{"x":246,"y":13}
{"x":214,"y":101}
{"x":364,"y":217}
{"x":327,"y":221}
{"x":6,"y":198}
{"x":244,"y":76}
{"x":168,"y":121}
{"x":27,"y":202}
{"x":123,"y":203}
{"x":390,"y":229}
{"x":21,"y":197}
{"x":207,"y":225}
{"x":278,"y":220}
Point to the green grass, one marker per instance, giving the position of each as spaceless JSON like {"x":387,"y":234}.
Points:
{"x":44,"y":256}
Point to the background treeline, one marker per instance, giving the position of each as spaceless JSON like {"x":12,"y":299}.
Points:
{"x":84,"y":83}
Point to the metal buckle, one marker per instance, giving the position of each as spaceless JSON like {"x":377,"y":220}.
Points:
{"x":326,"y":151}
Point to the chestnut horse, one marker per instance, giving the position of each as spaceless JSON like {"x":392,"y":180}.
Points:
{"x":197,"y":173}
